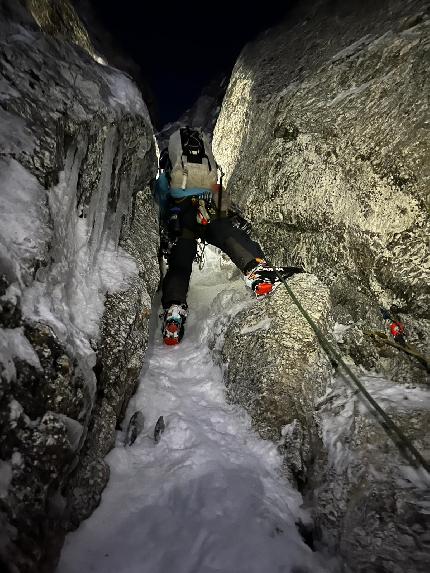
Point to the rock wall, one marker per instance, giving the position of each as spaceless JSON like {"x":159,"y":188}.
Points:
{"x":78,"y":267}
{"x":323,"y":135}
{"x":277,"y":370}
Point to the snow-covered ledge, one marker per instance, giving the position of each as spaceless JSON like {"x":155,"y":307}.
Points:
{"x":78,"y":269}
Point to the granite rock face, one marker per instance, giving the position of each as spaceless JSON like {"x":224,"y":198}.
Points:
{"x":78,"y":267}
{"x":323,"y":135}
{"x":277,"y":370}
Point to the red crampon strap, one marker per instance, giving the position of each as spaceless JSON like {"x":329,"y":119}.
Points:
{"x":263,"y":289}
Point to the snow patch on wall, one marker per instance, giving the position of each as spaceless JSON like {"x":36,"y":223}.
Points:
{"x":14,"y":344}
{"x":343,"y":404}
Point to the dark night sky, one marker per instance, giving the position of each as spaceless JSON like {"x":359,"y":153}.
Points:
{"x":181,"y":46}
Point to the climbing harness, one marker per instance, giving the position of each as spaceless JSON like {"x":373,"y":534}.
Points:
{"x":406,"y":448}
{"x":203,"y":217}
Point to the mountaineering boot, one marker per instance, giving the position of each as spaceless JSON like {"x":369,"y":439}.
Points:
{"x":263,"y":280}
{"x":174,"y":318}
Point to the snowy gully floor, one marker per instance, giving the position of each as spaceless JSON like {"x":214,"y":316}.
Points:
{"x":209,"y":496}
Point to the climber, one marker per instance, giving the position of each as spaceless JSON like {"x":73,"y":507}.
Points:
{"x":194,"y":205}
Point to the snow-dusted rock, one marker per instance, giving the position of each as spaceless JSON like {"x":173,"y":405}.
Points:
{"x":371,"y":504}
{"x":276,"y":367}
{"x":78,"y":267}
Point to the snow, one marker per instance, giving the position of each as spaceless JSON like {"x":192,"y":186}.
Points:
{"x":14,"y":344}
{"x":339,"y":330}
{"x":125,"y":93}
{"x":74,"y":430}
{"x":17,"y":459}
{"x":15,"y":412}
{"x":209,"y":497}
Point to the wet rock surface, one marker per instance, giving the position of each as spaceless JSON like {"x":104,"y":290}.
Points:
{"x":78,"y":266}
{"x":323,"y":135}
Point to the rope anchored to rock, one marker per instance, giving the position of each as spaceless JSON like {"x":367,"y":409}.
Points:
{"x":406,"y":447}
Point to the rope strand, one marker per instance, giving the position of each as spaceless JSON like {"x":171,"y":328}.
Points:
{"x":405,"y":446}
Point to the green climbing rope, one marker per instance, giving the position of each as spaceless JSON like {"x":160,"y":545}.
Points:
{"x":405,"y":446}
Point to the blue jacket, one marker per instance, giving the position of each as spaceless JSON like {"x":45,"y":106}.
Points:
{"x":163,"y":191}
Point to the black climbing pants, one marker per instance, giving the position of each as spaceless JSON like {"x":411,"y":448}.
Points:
{"x":221,"y":233}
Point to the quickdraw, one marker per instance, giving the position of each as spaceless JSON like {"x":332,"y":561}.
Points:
{"x":200,"y":258}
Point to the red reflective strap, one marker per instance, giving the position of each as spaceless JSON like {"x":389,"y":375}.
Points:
{"x":263,"y":288}
{"x":202,"y":220}
{"x":397,"y":328}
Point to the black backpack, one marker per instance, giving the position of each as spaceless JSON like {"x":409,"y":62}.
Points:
{"x":193,"y":146}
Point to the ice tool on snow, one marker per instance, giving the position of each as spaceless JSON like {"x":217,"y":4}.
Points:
{"x":174,"y":319}
{"x":160,"y":426}
{"x":263,"y":279}
{"x":135,"y":427}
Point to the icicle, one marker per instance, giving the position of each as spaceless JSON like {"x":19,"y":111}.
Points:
{"x":99,"y":200}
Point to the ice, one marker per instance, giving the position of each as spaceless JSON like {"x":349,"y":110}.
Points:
{"x":78,"y":264}
{"x":99,"y":200}
{"x":69,"y":295}
{"x":351,"y":92}
{"x":24,"y":229}
{"x":210,"y":495}
{"x":6,"y":358}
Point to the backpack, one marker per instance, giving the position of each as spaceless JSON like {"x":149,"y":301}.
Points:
{"x":192,"y":164}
